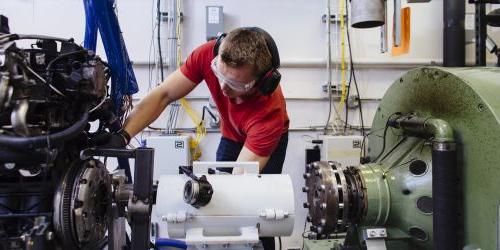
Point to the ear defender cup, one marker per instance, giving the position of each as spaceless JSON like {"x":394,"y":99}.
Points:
{"x":269,"y":81}
{"x":218,"y":41}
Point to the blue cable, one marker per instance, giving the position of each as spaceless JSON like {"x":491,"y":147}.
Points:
{"x":170,"y":243}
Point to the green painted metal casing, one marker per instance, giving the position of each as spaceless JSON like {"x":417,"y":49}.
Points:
{"x":469,"y":100}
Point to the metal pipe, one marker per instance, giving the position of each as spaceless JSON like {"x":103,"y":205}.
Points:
{"x":444,"y":175}
{"x":360,"y":64}
{"x":454,"y":33}
{"x":438,"y":129}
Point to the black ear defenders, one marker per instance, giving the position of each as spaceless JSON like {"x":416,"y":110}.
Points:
{"x":267,"y":82}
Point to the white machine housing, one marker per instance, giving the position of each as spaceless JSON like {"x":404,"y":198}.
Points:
{"x":243,"y":207}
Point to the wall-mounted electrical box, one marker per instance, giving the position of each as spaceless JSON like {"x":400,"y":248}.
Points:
{"x":170,"y":153}
{"x":345,"y":150}
{"x":214,"y":21}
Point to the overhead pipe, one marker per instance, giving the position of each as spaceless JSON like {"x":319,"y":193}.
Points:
{"x":445,"y":219}
{"x":454,"y":33}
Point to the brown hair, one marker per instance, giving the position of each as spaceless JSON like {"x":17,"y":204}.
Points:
{"x":244,"y":46}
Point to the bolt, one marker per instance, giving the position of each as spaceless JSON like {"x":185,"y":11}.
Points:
{"x":373,"y":233}
{"x":316,"y":164}
{"x":323,"y":222}
{"x":319,"y":174}
{"x":322,"y":206}
{"x":306,"y":205}
{"x":322,"y":188}
{"x":306,"y":175}
{"x":313,"y":228}
{"x":308,"y":167}
{"x":10,"y":166}
{"x":305,"y":189}
{"x":308,"y":218}
{"x":49,"y":235}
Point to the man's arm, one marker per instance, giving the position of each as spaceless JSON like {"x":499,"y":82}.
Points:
{"x":150,"y":107}
{"x":247,"y":155}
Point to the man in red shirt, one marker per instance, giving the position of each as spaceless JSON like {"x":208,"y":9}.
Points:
{"x":240,"y":71}
{"x":253,"y":122}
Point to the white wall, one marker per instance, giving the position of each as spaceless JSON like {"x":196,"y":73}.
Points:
{"x":300,"y":35}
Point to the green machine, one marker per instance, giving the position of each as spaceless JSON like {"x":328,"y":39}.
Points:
{"x":434,"y":177}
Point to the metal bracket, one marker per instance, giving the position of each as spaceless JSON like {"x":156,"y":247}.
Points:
{"x":375,"y":238}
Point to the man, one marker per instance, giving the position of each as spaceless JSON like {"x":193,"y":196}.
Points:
{"x":240,"y":71}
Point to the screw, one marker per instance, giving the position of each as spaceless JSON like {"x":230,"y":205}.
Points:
{"x":373,"y":233}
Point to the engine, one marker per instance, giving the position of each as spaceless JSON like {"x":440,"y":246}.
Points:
{"x":50,"y":198}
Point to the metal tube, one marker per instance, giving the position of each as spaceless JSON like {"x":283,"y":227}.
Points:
{"x":454,"y":33}
{"x":367,"y":13}
{"x":439,"y":129}
{"x":444,"y":175}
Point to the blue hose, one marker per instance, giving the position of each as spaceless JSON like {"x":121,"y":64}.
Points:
{"x":170,"y":243}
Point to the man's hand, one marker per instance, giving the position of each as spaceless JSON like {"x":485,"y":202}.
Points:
{"x":118,"y":139}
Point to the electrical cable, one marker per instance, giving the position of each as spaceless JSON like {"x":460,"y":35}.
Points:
{"x":328,"y":65}
{"x":353,"y":76}
{"x":342,"y":60}
{"x":385,"y":135}
{"x":158,"y":14}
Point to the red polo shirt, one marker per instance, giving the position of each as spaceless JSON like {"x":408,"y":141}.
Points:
{"x":258,"y":122}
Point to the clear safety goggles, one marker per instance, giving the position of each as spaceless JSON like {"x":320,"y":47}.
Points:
{"x":234,"y":85}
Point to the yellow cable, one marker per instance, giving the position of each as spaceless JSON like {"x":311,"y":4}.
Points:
{"x":342,"y":60}
{"x":201,"y":131}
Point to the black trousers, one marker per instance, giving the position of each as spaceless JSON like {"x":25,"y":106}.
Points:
{"x":229,"y":150}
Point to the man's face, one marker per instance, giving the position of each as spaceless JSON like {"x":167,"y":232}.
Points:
{"x":234,"y":82}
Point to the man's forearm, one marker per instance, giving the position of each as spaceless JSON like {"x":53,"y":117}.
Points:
{"x":146,"y":112}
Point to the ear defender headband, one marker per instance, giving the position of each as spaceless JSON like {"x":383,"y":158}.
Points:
{"x":267,"y":82}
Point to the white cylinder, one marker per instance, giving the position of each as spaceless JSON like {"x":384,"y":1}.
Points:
{"x":367,"y":13}
{"x":238,"y":201}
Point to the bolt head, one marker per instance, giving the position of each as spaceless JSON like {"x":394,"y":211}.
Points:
{"x":322,"y":206}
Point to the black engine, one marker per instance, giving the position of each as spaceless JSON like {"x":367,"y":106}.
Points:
{"x":49,"y":93}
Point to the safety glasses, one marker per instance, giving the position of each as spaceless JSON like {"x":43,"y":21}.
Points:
{"x":234,"y":85}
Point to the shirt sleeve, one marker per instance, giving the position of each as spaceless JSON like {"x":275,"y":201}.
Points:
{"x":264,"y":133}
{"x":197,"y":62}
